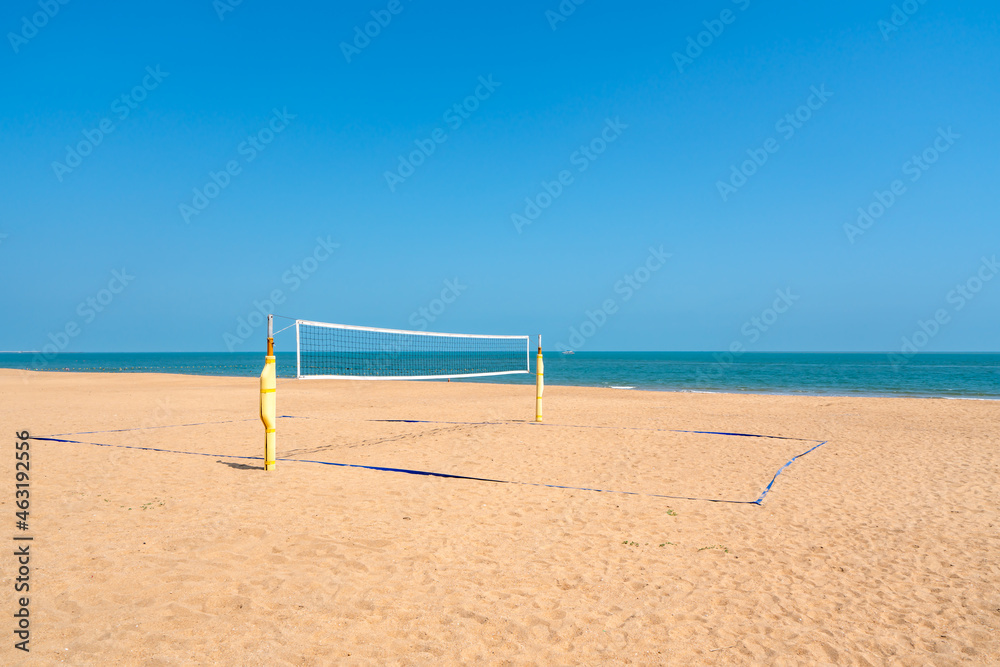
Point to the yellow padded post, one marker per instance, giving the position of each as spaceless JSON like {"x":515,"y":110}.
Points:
{"x":539,"y":382}
{"x":268,"y":404}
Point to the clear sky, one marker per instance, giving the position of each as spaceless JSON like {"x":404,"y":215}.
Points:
{"x":667,"y":171}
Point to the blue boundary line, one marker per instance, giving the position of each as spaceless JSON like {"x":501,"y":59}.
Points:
{"x":426,"y":473}
{"x":423,"y":473}
{"x":620,"y":428}
{"x":150,"y":428}
{"x":774,"y":479}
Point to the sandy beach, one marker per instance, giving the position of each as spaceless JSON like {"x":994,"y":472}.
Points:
{"x":880,"y":547}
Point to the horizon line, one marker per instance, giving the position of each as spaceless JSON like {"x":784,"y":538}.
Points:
{"x":740,"y":354}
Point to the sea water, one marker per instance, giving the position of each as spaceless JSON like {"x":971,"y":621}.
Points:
{"x":923,"y":375}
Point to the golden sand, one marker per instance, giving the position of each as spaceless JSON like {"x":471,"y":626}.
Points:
{"x":881,"y":547}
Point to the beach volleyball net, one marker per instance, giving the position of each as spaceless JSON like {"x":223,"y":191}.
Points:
{"x":340,"y":351}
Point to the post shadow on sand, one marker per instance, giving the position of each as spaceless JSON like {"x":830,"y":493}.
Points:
{"x":239,"y":466}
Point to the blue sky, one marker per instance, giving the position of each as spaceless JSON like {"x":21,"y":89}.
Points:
{"x":644,"y":125}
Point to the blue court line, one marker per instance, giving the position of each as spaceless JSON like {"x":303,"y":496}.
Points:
{"x":149,"y":428}
{"x":426,"y":421}
{"x":759,"y":500}
{"x":620,"y":428}
{"x":773,"y":479}
{"x":442,"y":475}
{"x":424,"y":473}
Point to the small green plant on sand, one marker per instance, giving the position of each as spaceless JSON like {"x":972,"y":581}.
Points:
{"x":630,"y":543}
{"x":151,"y":504}
{"x":673,"y":544}
{"x":715,"y":546}
{"x":670,"y":512}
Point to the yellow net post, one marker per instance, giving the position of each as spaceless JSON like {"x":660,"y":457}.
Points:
{"x":539,"y":382}
{"x":268,"y":388}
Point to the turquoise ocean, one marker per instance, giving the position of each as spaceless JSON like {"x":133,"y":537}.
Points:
{"x":972,"y":376}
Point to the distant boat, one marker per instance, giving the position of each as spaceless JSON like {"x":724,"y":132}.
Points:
{"x":568,"y":352}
